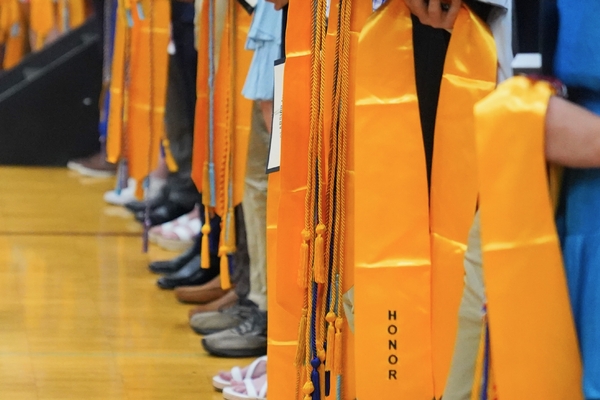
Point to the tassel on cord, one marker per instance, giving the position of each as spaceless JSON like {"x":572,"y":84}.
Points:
{"x":308,"y":390}
{"x":320,"y":273}
{"x":301,"y":350}
{"x":225,"y":281}
{"x":205,"y":256}
{"x":314,"y":377}
{"x":321,"y":354}
{"x":331,"y":317}
{"x":304,"y":259}
{"x":337,"y":364}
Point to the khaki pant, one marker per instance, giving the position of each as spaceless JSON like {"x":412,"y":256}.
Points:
{"x":470,"y":326}
{"x":255,"y":207}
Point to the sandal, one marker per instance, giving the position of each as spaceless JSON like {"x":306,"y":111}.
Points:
{"x":247,"y":391}
{"x":156,"y":232}
{"x":222,"y":381}
{"x":181,"y":236}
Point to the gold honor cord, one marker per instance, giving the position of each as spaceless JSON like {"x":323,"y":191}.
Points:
{"x":311,"y":271}
{"x":534,"y":349}
{"x":208,"y":180}
{"x":336,"y":191}
{"x":409,"y":246}
{"x":228,"y":243}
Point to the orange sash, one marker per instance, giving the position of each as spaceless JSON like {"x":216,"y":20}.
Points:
{"x":12,"y":32}
{"x":228,"y":100}
{"x":534,"y":348}
{"x":410,"y":246}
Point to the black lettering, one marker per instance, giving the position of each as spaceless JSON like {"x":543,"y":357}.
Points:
{"x":392,"y":345}
{"x":392,"y":375}
{"x":392,"y":315}
{"x":393,"y":360}
{"x":392,"y":329}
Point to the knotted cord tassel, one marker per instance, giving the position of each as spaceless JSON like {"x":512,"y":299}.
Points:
{"x":320,"y":273}
{"x":301,"y":350}
{"x":304,"y":258}
{"x":329,"y":359}
{"x":337,"y":365}
{"x":314,"y":377}
{"x":225,"y":281}
{"x":321,"y":354}
{"x":205,"y":245}
{"x":308,"y":390}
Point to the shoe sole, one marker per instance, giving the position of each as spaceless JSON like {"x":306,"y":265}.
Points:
{"x":89,"y":171}
{"x":205,"y":332}
{"x":238,"y":353}
{"x":173,"y":244}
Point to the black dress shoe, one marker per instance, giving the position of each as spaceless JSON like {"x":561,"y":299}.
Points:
{"x":140,"y":206}
{"x":165,"y":212}
{"x":175,"y":264}
{"x":191,"y":274}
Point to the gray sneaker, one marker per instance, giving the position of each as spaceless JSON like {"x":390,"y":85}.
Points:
{"x":248,"y":339}
{"x":229,"y":317}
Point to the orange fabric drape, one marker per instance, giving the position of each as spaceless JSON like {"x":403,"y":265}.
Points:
{"x":12,"y":32}
{"x":534,"y":347}
{"x":228,"y":99}
{"x":41,"y":20}
{"x":410,"y":245}
{"x":138,"y":86}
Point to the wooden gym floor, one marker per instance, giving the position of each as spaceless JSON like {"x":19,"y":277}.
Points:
{"x":80,"y":315}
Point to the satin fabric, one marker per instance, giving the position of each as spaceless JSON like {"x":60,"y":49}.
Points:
{"x":533,"y":344}
{"x":12,"y":33}
{"x":117,"y":117}
{"x":409,"y":246}
{"x":282,"y":329}
{"x":71,"y":14}
{"x":42,"y":20}
{"x":228,"y":99}
{"x":147,"y":87}
{"x":283,"y":259}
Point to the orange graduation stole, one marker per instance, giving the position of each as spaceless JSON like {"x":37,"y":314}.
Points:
{"x":138,"y":86}
{"x":147,"y":87}
{"x":534,"y":352}
{"x":222,"y":125}
{"x":41,"y":20}
{"x":71,"y":14}
{"x":285,"y":296}
{"x":315,"y":131}
{"x":12,"y":33}
{"x":410,"y":245}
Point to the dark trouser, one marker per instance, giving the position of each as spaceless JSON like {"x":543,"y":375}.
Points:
{"x":181,"y":104}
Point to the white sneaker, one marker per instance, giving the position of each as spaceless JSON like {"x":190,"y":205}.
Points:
{"x":126,"y":195}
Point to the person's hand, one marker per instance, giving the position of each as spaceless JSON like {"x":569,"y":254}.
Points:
{"x":437,"y":14}
{"x":279,"y":4}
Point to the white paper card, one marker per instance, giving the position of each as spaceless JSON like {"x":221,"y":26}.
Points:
{"x":274,"y":161}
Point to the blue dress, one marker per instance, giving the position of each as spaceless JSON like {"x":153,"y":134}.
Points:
{"x":577,"y":63}
{"x":264,"y":38}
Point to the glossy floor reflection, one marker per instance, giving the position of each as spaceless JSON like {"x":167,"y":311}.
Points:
{"x":80,"y":315}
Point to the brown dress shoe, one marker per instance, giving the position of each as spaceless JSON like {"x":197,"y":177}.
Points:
{"x":202,"y":294}
{"x":228,"y":299}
